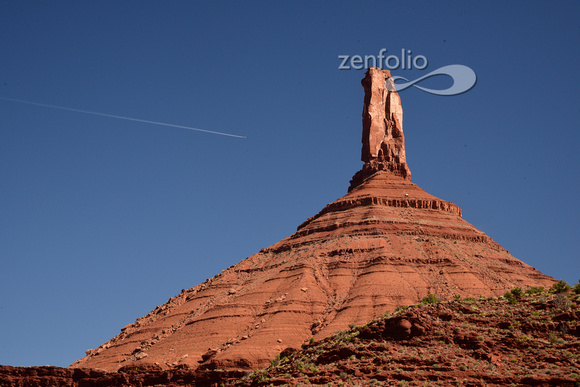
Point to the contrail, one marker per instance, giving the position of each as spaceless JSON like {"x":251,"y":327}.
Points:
{"x":120,"y":117}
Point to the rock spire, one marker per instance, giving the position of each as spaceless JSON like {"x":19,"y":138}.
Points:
{"x":383,"y":139}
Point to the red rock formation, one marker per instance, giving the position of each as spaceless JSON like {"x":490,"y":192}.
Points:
{"x":143,"y":375}
{"x":386,"y":243}
{"x":463,"y":342}
{"x":383,"y":140}
{"x":471,"y":340}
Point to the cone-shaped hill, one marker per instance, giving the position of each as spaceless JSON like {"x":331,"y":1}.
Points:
{"x":387,"y":243}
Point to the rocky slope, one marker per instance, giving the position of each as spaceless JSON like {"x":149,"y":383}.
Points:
{"x":534,"y":339}
{"x":387,"y":243}
{"x":522,"y":339}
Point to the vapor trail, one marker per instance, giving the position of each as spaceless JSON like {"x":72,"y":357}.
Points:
{"x":119,"y":117}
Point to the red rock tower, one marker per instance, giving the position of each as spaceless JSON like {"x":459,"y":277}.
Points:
{"x":383,"y":139}
{"x":384,"y":244}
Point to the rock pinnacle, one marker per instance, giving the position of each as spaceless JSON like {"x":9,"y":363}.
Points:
{"x":383,"y":140}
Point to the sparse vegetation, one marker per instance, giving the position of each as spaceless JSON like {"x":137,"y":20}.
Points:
{"x":430,"y":299}
{"x":471,"y":336}
{"x":535,"y":290}
{"x":561,"y":301}
{"x":510,"y":297}
{"x":576,"y":288}
{"x":514,"y":295}
{"x":560,"y":287}
{"x":517,"y":292}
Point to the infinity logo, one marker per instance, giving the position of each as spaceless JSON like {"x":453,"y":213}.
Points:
{"x":463,"y":77}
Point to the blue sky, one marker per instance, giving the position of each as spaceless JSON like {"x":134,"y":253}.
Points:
{"x":102,"y":219}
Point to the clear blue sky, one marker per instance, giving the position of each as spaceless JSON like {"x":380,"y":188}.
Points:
{"x":102,"y":219}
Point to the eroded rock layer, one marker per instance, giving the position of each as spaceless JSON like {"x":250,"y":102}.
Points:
{"x":386,"y":243}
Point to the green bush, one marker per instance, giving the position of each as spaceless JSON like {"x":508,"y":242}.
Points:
{"x":430,"y":299}
{"x":535,"y":290}
{"x":510,"y":297}
{"x":576,"y":288}
{"x":517,"y":292}
{"x":560,"y":287}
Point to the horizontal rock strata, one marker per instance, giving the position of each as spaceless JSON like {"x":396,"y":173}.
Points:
{"x":387,"y":243}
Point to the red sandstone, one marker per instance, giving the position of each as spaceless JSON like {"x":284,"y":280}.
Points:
{"x":385,"y":244}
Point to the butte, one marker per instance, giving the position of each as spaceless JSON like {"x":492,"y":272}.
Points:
{"x":386,"y":243}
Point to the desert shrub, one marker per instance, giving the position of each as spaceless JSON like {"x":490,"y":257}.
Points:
{"x":259,"y":376}
{"x":560,"y":287}
{"x":535,"y":290}
{"x":351,"y":335}
{"x":517,"y":292}
{"x":399,"y":309}
{"x":576,"y":288}
{"x":430,"y":299}
{"x":555,"y":339}
{"x":510,"y":297}
{"x":300,"y":365}
{"x":274,"y":362}
{"x":312,"y":368}
{"x":561,"y":301}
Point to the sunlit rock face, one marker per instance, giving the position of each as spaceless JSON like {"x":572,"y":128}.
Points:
{"x":383,"y":141}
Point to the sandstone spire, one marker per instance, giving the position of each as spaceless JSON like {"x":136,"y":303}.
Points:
{"x":383,"y":139}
